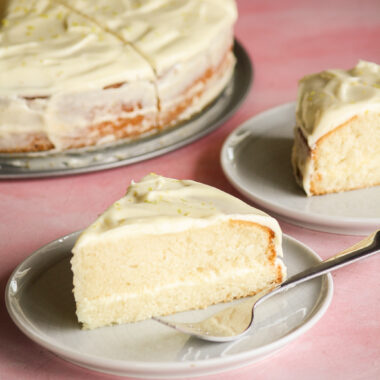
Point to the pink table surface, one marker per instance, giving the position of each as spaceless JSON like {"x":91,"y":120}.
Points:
{"x":286,"y":40}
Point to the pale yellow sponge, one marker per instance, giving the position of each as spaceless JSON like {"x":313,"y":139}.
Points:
{"x":337,"y":137}
{"x":170,"y":246}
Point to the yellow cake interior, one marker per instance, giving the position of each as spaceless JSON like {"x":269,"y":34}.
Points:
{"x":177,"y":262}
{"x":337,"y":137}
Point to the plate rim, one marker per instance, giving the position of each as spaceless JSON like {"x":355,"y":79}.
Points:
{"x":172,"y":369}
{"x":243,"y":61}
{"x":284,"y":212}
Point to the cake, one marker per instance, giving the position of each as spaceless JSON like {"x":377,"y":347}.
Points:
{"x":89,"y":72}
{"x":172,"y":245}
{"x":337,"y":136}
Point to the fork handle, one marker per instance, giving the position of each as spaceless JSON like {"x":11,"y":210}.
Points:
{"x":366,"y":247}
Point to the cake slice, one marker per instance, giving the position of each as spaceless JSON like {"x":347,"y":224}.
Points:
{"x":172,"y":245}
{"x":337,"y":137}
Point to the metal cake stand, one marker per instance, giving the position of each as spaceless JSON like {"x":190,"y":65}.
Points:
{"x":125,"y":152}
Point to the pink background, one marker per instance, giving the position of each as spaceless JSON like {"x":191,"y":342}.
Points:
{"x":286,"y":40}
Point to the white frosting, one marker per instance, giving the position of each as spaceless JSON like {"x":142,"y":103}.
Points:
{"x":66,"y":114}
{"x":64,"y":52}
{"x":174,"y":86}
{"x":166,"y":32}
{"x":159,"y":205}
{"x":210,"y":92}
{"x":330,"y":98}
{"x":69,"y":113}
{"x":46,"y":48}
{"x":208,"y":278}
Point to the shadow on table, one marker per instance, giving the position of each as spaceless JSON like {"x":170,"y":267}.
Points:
{"x":259,"y":162}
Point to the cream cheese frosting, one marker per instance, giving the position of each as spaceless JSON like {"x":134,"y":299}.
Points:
{"x":58,"y":56}
{"x":50,"y":45}
{"x":172,"y":245}
{"x":332,"y":97}
{"x":46,"y":48}
{"x":166,"y":32}
{"x":159,"y":205}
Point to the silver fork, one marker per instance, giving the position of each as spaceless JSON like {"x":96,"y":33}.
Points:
{"x":234,"y":322}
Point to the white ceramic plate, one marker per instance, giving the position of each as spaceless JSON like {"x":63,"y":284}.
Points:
{"x":256,"y":160}
{"x":40,"y":302}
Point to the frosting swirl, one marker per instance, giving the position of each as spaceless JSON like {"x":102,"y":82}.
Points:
{"x":158,"y":205}
{"x":332,"y":97}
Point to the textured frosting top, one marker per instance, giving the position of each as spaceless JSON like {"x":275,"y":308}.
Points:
{"x":164,"y":31}
{"x":330,"y":98}
{"x":47,"y":46}
{"x":158,"y":205}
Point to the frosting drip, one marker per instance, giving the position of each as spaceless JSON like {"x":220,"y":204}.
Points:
{"x":332,"y":97}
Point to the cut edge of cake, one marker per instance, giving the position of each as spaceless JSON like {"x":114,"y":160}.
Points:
{"x":337,"y":136}
{"x":133,"y":262}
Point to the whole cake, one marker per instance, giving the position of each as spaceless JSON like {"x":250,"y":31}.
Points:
{"x":337,"y":137}
{"x":172,"y":245}
{"x":87,"y":72}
